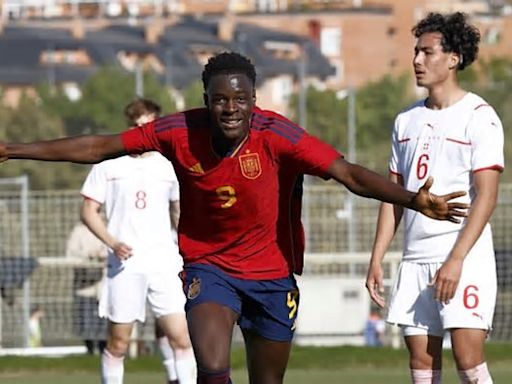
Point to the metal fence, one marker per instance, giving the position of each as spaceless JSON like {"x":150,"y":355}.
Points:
{"x":337,"y":224}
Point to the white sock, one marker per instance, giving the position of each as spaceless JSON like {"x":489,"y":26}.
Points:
{"x":168,"y":358}
{"x":426,"y":376}
{"x":186,"y":366}
{"x":478,"y":375}
{"x":112,"y":368}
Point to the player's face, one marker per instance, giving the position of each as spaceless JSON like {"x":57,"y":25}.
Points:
{"x":432,"y":66}
{"x":230,"y":100}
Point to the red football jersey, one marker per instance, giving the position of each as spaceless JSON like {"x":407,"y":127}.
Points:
{"x":233,"y":208}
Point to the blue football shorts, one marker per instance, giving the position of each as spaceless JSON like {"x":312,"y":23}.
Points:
{"x":268,"y":307}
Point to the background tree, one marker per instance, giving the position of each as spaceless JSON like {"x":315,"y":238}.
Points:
{"x":27,"y":123}
{"x":194,"y":95}
{"x":376,"y":106}
{"x":104,"y":96}
{"x":492,"y":81}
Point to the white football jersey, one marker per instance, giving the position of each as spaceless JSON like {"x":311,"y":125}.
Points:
{"x":449,"y":144}
{"x":136,"y":192}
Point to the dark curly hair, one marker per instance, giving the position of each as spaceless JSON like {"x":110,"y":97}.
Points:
{"x":459,"y":36}
{"x":228,"y":63}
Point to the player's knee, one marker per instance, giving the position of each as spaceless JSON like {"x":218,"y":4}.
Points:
{"x":467,"y":359}
{"x":424,"y":362}
{"x":118,"y":347}
{"x":182,"y":342}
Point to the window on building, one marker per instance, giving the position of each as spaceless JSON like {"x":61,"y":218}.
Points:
{"x":72,"y":91}
{"x":283,"y":49}
{"x":330,"y":41}
{"x":65,"y":56}
{"x":282,"y":88}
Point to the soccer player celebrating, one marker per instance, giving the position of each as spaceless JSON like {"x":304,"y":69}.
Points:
{"x":141,"y":198}
{"x":447,"y":278}
{"x":236,"y":166}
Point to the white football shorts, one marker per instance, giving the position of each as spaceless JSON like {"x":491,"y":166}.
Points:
{"x":123,"y":299}
{"x":413,"y":307}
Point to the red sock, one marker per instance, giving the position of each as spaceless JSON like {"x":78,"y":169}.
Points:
{"x":208,"y":377}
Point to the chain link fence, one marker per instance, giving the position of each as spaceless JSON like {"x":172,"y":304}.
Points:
{"x":338,"y":226}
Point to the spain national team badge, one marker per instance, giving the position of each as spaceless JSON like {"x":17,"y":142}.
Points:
{"x":250,"y":165}
{"x":194,"y":288}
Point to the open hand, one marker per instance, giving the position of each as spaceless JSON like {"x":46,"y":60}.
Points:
{"x":446,"y":280}
{"x":375,"y":284}
{"x":438,"y":207}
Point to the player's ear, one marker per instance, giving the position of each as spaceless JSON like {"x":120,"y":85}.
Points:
{"x":455,"y":60}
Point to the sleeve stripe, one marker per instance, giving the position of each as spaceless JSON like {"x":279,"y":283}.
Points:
{"x":282,"y":128}
{"x":90,"y":198}
{"x":495,"y":167}
{"x":169,"y":122}
{"x":458,"y":141}
{"x":481,"y":105}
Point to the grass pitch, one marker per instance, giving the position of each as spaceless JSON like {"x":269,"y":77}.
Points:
{"x":336,"y":365}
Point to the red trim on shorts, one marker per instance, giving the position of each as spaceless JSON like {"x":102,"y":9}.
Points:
{"x":395,"y":173}
{"x":404,"y":140}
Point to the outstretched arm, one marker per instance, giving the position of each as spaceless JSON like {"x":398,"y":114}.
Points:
{"x":366,"y":183}
{"x":79,"y":149}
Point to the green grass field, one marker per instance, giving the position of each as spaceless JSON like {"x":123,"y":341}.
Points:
{"x":354,"y":365}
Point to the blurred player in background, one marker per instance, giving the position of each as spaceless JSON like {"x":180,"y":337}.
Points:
{"x":447,"y":278}
{"x":237,"y":166}
{"x":141,"y":198}
{"x":374,"y":329}
{"x":88,"y":281}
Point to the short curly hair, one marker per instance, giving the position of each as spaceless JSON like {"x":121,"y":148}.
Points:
{"x":228,"y":63}
{"x":459,"y":36}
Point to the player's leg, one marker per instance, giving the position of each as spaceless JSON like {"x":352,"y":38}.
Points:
{"x":414,"y":308}
{"x":211,"y":329}
{"x":266,"y":359}
{"x":469,"y":314}
{"x":123,"y":301}
{"x":468,"y":352}
{"x":167,"y":301}
{"x":167,"y":355}
{"x":425,"y":358}
{"x":174,"y":326}
{"x":112,"y":358}
{"x":213,"y":306}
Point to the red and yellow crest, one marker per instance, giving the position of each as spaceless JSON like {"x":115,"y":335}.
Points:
{"x":194,"y":288}
{"x":250,"y":165}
